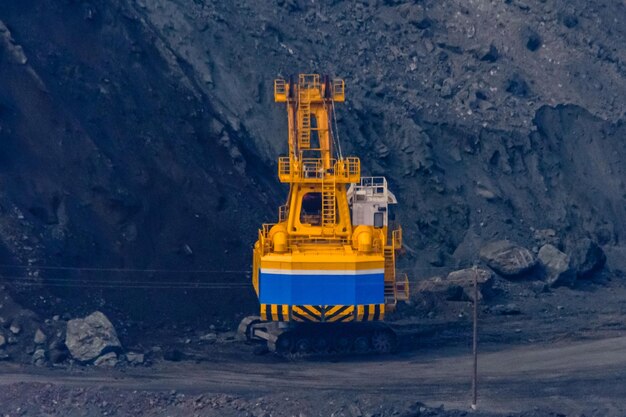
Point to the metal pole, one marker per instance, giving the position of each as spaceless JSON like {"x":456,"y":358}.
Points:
{"x":475,"y":343}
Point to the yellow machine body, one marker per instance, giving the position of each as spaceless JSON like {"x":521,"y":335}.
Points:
{"x":319,"y":263}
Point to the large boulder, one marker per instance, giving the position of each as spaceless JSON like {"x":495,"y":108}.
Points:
{"x":557,"y":266}
{"x":587,"y":257}
{"x":91,"y":337}
{"x":459,"y":285}
{"x":507,"y":258}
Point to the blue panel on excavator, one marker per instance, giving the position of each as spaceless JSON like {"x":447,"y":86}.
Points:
{"x":321,"y":289}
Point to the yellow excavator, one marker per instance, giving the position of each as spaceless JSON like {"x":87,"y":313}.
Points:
{"x":325,"y":272}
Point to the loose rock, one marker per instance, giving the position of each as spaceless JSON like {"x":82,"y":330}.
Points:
{"x":556,"y":265}
{"x":88,"y":338}
{"x":39,"y":357}
{"x":507,"y":258}
{"x":40,"y":337}
{"x":134,"y":358}
{"x":15,"y":328}
{"x":458,"y":285}
{"x":107,"y":360}
{"x":465,"y":279}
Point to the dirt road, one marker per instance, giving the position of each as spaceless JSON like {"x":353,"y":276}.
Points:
{"x":573,"y":377}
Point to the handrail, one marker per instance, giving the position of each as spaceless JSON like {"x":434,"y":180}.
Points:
{"x":347,"y":170}
{"x":280,"y":90}
{"x":402,"y":289}
{"x":283,"y":213}
{"x":309,"y":80}
{"x":339,"y":90}
{"x":397,"y":238}
{"x":308,"y":239}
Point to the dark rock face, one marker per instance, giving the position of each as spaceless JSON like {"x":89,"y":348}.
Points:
{"x":58,"y":355}
{"x":588,"y":257}
{"x":142,"y":134}
{"x":507,"y":258}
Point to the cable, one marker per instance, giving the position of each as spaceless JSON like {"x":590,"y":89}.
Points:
{"x":145,"y":287}
{"x":131,"y":283}
{"x":77,"y":279}
{"x":96,"y":269}
{"x":337,"y":130}
{"x":28,"y":281}
{"x":331,"y":131}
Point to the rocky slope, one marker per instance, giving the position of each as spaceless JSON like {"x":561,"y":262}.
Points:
{"x":142,"y":134}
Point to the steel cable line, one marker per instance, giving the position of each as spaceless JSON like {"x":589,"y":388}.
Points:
{"x":27,"y":281}
{"x":80,"y":268}
{"x":336,"y":130}
{"x":111,"y":281}
{"x":144,"y":287}
{"x":70,"y":282}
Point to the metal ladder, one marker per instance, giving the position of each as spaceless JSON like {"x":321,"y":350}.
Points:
{"x":304,"y":110}
{"x":390,"y":275}
{"x":328,"y":202}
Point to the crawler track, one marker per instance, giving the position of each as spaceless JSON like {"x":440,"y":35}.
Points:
{"x":320,"y":339}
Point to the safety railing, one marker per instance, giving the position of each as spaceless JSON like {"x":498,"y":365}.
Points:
{"x":264,"y":242}
{"x":280,"y":90}
{"x":402,"y":287}
{"x":346,"y":170}
{"x":311,"y":240}
{"x":312,"y":168}
{"x":349,"y":169}
{"x":309,"y":80}
{"x":339,"y":90}
{"x":255,"y":274}
{"x":397,"y":238}
{"x":266,"y":228}
{"x":285,"y":169}
{"x":375,"y":183}
{"x":283,"y":213}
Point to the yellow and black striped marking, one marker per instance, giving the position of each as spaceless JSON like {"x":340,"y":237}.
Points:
{"x":317,"y":314}
{"x":371,"y":312}
{"x":335,"y":314}
{"x":274,"y":312}
{"x":307,"y":313}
